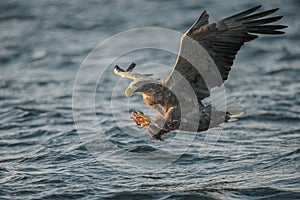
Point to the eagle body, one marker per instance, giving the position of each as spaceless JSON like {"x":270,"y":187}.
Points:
{"x":162,"y":99}
{"x":206,"y":55}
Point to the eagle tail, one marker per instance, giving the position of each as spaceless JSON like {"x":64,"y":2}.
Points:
{"x":232,"y":107}
{"x":232,"y":117}
{"x":234,"y":110}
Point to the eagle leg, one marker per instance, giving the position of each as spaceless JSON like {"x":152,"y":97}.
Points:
{"x":156,"y":133}
{"x":168,"y":116}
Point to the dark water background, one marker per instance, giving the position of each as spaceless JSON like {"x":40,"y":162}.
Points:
{"x":42,"y":156}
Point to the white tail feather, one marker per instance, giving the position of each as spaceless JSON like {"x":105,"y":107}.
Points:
{"x":222,"y":101}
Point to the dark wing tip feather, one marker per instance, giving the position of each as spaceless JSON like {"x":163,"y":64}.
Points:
{"x":259,"y":26}
{"x":263,"y":21}
{"x":268,"y":32}
{"x":258,"y":15}
{"x":204,"y":16}
{"x":242,"y":14}
{"x":201,"y":21}
{"x":118,"y":68}
{"x":131,"y":67}
{"x":256,"y":23}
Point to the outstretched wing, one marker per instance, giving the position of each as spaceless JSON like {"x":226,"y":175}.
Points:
{"x":221,"y":41}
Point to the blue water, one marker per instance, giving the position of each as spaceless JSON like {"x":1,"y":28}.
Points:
{"x":43,"y":155}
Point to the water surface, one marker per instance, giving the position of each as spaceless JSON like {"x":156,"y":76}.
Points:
{"x":43,"y":44}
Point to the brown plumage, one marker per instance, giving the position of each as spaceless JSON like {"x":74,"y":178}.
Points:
{"x":207,"y":52}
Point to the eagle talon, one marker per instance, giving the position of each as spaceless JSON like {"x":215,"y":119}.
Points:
{"x":139,"y":118}
{"x":141,"y":112}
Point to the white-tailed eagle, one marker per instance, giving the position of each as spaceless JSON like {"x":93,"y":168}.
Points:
{"x":219,"y":43}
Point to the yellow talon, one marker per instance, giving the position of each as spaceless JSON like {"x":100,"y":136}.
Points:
{"x":140,"y":119}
